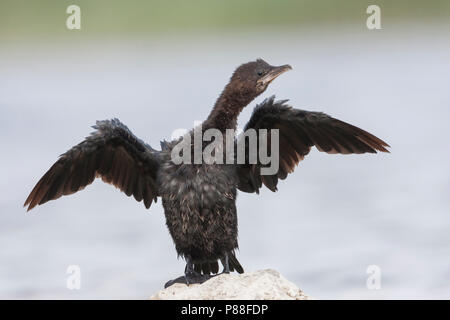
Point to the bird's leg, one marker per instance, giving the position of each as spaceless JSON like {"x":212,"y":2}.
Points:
{"x":190,"y":275}
{"x":189,"y":267}
{"x":226,"y":263}
{"x":193,"y":276}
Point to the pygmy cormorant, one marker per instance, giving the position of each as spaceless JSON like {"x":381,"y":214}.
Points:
{"x":199,"y":200}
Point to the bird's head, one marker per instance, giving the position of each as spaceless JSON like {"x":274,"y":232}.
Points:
{"x":253,"y":78}
{"x":247,"y":82}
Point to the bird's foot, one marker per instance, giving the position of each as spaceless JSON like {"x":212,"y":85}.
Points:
{"x":189,"y":278}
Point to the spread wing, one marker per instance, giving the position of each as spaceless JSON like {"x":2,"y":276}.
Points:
{"x":112,"y":153}
{"x":300,"y":130}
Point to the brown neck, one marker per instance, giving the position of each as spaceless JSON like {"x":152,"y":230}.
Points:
{"x":227,"y":109}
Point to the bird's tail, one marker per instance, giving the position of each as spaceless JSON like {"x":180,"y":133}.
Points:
{"x":213,"y":267}
{"x":234,"y":263}
{"x":207,"y":267}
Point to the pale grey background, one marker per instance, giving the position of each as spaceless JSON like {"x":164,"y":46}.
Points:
{"x":330,"y":219}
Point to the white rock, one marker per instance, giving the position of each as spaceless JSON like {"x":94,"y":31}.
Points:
{"x":263,"y":284}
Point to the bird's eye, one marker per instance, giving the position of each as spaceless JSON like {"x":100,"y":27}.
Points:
{"x":260,"y":73}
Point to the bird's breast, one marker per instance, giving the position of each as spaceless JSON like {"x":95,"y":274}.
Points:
{"x":199,"y":186}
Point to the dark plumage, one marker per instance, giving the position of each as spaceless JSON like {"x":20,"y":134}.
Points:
{"x":200,"y":199}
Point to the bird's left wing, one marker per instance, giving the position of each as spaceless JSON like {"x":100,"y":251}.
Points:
{"x":111,"y":153}
{"x":300,"y":130}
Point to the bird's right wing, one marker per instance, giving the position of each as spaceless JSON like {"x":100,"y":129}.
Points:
{"x":299,"y":130}
{"x":112,"y":153}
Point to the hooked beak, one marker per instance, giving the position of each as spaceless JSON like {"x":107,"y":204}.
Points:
{"x":274,"y":73}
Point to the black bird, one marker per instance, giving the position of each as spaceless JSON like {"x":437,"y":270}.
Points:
{"x":199,"y":200}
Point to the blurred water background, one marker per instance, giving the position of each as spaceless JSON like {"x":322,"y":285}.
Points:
{"x":159,"y":66}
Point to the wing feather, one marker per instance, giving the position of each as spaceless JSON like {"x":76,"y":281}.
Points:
{"x":111,"y":153}
{"x":299,"y":131}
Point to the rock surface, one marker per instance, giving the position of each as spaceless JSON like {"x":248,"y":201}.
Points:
{"x":263,"y":284}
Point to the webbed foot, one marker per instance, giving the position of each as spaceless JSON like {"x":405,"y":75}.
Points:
{"x":189,"y":278}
